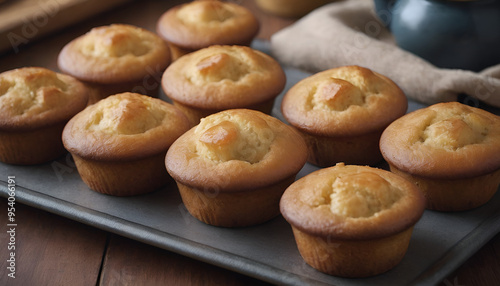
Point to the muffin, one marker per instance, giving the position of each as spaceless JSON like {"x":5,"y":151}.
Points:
{"x":232,"y":168}
{"x":200,"y":24}
{"x":450,"y":151}
{"x":342,"y":112}
{"x":352,"y":221}
{"x":35,"y":104}
{"x":290,"y":8}
{"x":119,"y":143}
{"x":116,"y":58}
{"x":223,"y":77}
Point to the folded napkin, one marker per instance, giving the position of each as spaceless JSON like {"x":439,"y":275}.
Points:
{"x":349,"y":33}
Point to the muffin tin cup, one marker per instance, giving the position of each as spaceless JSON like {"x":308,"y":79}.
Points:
{"x":234,"y":208}
{"x":123,"y":178}
{"x":454,"y":194}
{"x":32,"y":147}
{"x":352,"y":258}
{"x":355,"y":150}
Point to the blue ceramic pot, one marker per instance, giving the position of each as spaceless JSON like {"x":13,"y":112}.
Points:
{"x":447,"y":33}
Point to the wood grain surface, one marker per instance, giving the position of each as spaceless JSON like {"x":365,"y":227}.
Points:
{"x":130,"y":263}
{"x":52,"y":250}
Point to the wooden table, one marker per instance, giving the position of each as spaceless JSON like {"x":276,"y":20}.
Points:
{"x":52,"y":250}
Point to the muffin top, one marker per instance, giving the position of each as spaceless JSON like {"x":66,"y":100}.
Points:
{"x":200,"y":24}
{"x":236,"y":150}
{"x":344,"y":101}
{"x":352,"y":202}
{"x":223,"y":77}
{"x":113,"y":54}
{"x":445,"y":140}
{"x":34,"y":97}
{"x":124,"y":126}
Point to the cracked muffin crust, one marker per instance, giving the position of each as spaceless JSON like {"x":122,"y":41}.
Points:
{"x":223,"y":77}
{"x":199,"y":24}
{"x":35,"y":104}
{"x":232,"y":168}
{"x":450,"y":150}
{"x":342,"y":112}
{"x":116,"y":58}
{"x":119,"y":144}
{"x":350,"y":220}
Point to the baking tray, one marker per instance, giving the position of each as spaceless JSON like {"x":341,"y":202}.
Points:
{"x":441,"y":242}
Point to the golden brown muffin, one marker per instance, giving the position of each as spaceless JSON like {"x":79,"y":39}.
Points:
{"x":232,"y":168}
{"x":352,"y":221}
{"x":116,"y":58}
{"x":290,"y":8}
{"x":342,"y":112}
{"x":450,"y":150}
{"x":223,"y":77}
{"x":200,"y":24}
{"x":119,"y":143}
{"x":35,"y":104}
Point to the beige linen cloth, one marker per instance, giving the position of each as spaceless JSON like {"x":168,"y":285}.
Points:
{"x":348,"y":33}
